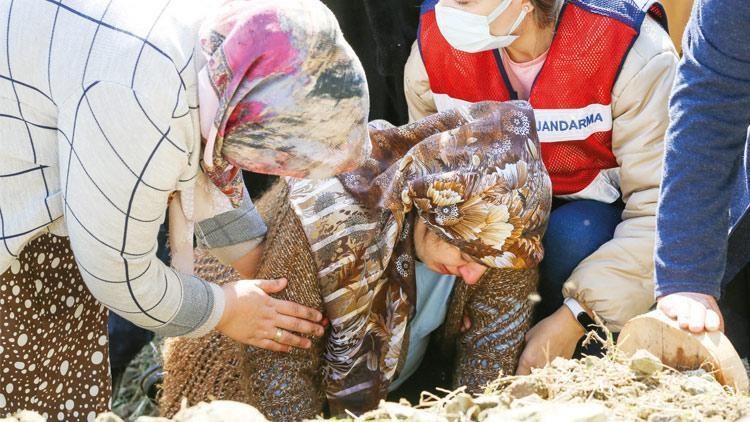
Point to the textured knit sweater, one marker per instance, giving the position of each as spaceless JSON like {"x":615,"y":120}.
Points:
{"x":703,"y":237}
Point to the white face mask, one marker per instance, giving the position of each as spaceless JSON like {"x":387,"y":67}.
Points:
{"x":470,"y":32}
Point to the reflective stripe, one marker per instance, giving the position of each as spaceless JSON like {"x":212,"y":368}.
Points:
{"x":604,"y":188}
{"x":553,"y":125}
{"x":572,"y":124}
{"x":446,"y":102}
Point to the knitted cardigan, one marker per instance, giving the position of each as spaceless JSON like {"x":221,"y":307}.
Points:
{"x":288,"y":386}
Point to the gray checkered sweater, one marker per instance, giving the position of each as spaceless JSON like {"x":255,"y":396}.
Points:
{"x":98,"y":125}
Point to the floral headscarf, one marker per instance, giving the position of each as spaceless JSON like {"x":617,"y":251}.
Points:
{"x":478,"y":181}
{"x":282,"y":93}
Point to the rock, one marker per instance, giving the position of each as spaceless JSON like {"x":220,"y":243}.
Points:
{"x":108,"y":417}
{"x":698,"y":385}
{"x":219,"y":411}
{"x":645,"y":363}
{"x":552,"y":412}
{"x":525,"y":386}
{"x":397,"y":411}
{"x":521,"y":388}
{"x":579,"y":412}
{"x":590,"y":361}
{"x":526,"y":401}
{"x":487,"y":402}
{"x":459,"y":405}
{"x":564,"y":364}
{"x":700,"y":372}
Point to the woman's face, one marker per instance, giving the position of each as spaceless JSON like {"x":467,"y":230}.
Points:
{"x":442,"y":257}
{"x":501,"y":25}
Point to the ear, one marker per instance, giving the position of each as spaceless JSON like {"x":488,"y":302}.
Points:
{"x":529,"y":5}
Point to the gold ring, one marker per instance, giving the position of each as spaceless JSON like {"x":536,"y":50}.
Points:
{"x":279,"y":333}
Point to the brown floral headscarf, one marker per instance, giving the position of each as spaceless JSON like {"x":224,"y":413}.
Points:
{"x":478,"y":181}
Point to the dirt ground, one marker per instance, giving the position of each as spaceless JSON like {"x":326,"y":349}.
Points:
{"x":590,"y":389}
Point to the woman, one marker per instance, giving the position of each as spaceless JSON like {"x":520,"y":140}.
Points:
{"x":104,"y":107}
{"x":598,"y":74}
{"x":471,"y":200}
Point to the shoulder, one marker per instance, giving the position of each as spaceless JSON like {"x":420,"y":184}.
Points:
{"x":652,"y":46}
{"x":150,"y":45}
{"x":652,"y":41}
{"x":723,"y":22}
{"x":717,"y":37}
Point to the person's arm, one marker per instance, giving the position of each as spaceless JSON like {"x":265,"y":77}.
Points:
{"x":128,"y":154}
{"x":500,"y":312}
{"x":616,"y":281}
{"x":233,"y":235}
{"x":710,"y":112}
{"x":417,"y":87}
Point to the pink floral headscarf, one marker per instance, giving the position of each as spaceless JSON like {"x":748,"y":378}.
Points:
{"x":282,"y":93}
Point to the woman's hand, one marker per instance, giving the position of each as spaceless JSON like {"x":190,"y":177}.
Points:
{"x":556,"y":335}
{"x":694,"y":311}
{"x":253,"y":317}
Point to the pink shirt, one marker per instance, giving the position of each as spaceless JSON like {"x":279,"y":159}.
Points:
{"x":522,"y":75}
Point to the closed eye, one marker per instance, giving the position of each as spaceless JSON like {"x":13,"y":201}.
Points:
{"x":468,"y":258}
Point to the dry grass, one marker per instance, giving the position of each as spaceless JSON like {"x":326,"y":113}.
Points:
{"x":130,"y":402}
{"x":590,"y":389}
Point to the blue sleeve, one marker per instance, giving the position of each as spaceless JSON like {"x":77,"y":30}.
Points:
{"x":710,"y":113}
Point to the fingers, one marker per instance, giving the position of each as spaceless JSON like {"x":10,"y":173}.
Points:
{"x":682,"y":309}
{"x":298,"y":325}
{"x":697,"y":318}
{"x":293,"y":340}
{"x":297,"y":310}
{"x":667,"y":307}
{"x":713,"y":320}
{"x":272,"y":286}
{"x":524,"y":368}
{"x":466,"y":326}
{"x":695,"y":312}
{"x":269,"y":345}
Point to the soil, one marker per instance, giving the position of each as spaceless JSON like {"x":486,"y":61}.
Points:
{"x":590,"y":389}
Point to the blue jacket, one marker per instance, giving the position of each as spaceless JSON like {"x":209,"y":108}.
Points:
{"x":703,"y":234}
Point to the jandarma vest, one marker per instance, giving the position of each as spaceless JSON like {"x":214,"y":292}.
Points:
{"x":571,"y":96}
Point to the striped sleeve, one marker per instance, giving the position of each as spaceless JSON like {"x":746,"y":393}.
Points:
{"x":123,"y":155}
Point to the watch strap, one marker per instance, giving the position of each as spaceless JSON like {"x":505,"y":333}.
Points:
{"x":580,"y":314}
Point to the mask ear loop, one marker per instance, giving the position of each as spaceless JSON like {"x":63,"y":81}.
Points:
{"x":519,"y":19}
{"x":498,"y":11}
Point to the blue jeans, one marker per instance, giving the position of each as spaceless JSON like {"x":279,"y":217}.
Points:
{"x":576,"y":230}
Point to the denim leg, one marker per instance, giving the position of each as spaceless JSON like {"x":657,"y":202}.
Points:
{"x":576,"y":229}
{"x":125,"y":341}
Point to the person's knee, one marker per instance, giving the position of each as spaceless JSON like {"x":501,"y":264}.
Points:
{"x":575,"y":231}
{"x":578,"y":229}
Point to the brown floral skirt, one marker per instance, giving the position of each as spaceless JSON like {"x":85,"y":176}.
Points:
{"x":53,"y":337}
